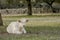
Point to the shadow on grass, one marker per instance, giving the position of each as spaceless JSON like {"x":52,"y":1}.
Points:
{"x":43,"y":30}
{"x":36,"y":30}
{"x":36,"y":33}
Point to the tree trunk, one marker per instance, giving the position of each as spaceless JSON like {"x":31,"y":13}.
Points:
{"x":50,"y":2}
{"x":1,"y":22}
{"x":52,"y":9}
{"x":29,"y":7}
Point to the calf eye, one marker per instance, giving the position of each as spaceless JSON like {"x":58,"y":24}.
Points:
{"x":23,"y":25}
{"x":26,"y":20}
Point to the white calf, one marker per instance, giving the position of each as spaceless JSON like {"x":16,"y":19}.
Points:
{"x":17,"y":27}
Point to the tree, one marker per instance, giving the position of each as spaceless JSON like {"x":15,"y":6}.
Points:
{"x":9,"y":3}
{"x":58,"y":1}
{"x":12,"y":3}
{"x":1,"y":22}
{"x":29,"y":7}
{"x":50,"y":2}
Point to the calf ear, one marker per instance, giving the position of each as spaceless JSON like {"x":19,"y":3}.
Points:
{"x":19,"y":21}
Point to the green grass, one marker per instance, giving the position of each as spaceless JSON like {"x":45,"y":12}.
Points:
{"x":38,"y":28}
{"x":37,"y":15}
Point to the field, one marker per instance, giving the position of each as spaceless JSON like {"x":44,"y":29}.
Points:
{"x":39,"y":27}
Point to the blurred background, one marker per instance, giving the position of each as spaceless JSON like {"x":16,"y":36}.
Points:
{"x":43,"y":16}
{"x":23,"y":6}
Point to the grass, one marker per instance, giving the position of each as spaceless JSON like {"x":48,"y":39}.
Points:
{"x":33,"y":15}
{"x":38,"y":28}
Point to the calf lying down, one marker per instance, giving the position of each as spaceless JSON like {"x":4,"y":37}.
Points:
{"x":17,"y":27}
